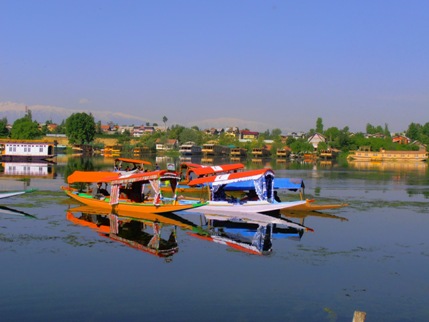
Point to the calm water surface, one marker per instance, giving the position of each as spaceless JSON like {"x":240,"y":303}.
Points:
{"x":371,"y":256}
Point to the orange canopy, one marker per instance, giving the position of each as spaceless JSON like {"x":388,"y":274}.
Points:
{"x":134,"y":161}
{"x":144,"y":176}
{"x":91,"y":176}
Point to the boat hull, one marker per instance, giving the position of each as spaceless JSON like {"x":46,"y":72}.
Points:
{"x":14,"y":193}
{"x":10,"y":194}
{"x":127,"y":206}
{"x":248,"y":207}
{"x":309,"y":205}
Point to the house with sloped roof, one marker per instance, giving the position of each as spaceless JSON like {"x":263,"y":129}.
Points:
{"x":170,"y":144}
{"x":249,"y":135}
{"x":315,"y":139}
{"x":401,"y":139}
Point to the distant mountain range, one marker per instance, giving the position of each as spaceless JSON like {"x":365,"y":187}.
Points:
{"x":43,"y":113}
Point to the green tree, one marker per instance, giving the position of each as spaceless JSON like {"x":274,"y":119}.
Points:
{"x":322,"y":146}
{"x":225,"y":139}
{"x":343,"y":141}
{"x":370,"y":129}
{"x":276,"y":133}
{"x":25,"y":128}
{"x":124,"y":138}
{"x":290,"y":140}
{"x":386,"y":130}
{"x":164,"y":120}
{"x":425,"y":129}
{"x":413,"y":131}
{"x":301,"y":145}
{"x":4,"y":132}
{"x":191,"y":135}
{"x":80,"y":128}
{"x":319,"y":125}
{"x":332,"y":133}
{"x":175,"y":131}
{"x":98,"y":128}
{"x":61,"y":128}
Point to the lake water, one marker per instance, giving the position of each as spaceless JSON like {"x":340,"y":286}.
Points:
{"x":371,"y":256}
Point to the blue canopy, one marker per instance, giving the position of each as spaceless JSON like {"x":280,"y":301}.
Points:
{"x":293,"y":184}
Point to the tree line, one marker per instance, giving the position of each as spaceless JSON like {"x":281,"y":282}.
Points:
{"x":81,"y":128}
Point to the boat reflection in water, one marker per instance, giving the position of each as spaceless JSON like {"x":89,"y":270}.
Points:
{"x":145,"y":233}
{"x":156,"y":233}
{"x":251,"y":233}
{"x":42,"y":170}
{"x":417,"y":166}
{"x":245,"y":236}
{"x":14,"y":212}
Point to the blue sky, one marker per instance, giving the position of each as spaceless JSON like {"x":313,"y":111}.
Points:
{"x":256,"y":64}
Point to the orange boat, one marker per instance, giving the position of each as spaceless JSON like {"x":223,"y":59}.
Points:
{"x":127,"y":191}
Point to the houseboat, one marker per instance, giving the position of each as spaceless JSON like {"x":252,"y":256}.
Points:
{"x":309,"y":157}
{"x":260,"y":152}
{"x":329,"y":154}
{"x":190,"y":148}
{"x":237,"y":152}
{"x":27,"y":151}
{"x":282,"y":153}
{"x":111,"y":151}
{"x":42,"y":170}
{"x":383,"y":155}
{"x":215,"y":149}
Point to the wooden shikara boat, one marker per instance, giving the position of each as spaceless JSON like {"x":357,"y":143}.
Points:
{"x":126,"y":191}
{"x":290,"y":184}
{"x":263,"y":186}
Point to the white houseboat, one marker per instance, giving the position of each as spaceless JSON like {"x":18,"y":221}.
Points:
{"x":27,"y":151}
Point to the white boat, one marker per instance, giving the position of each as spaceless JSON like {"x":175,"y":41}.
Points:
{"x":263,"y":180}
{"x":190,"y":148}
{"x":13,"y":193}
{"x":27,"y":151}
